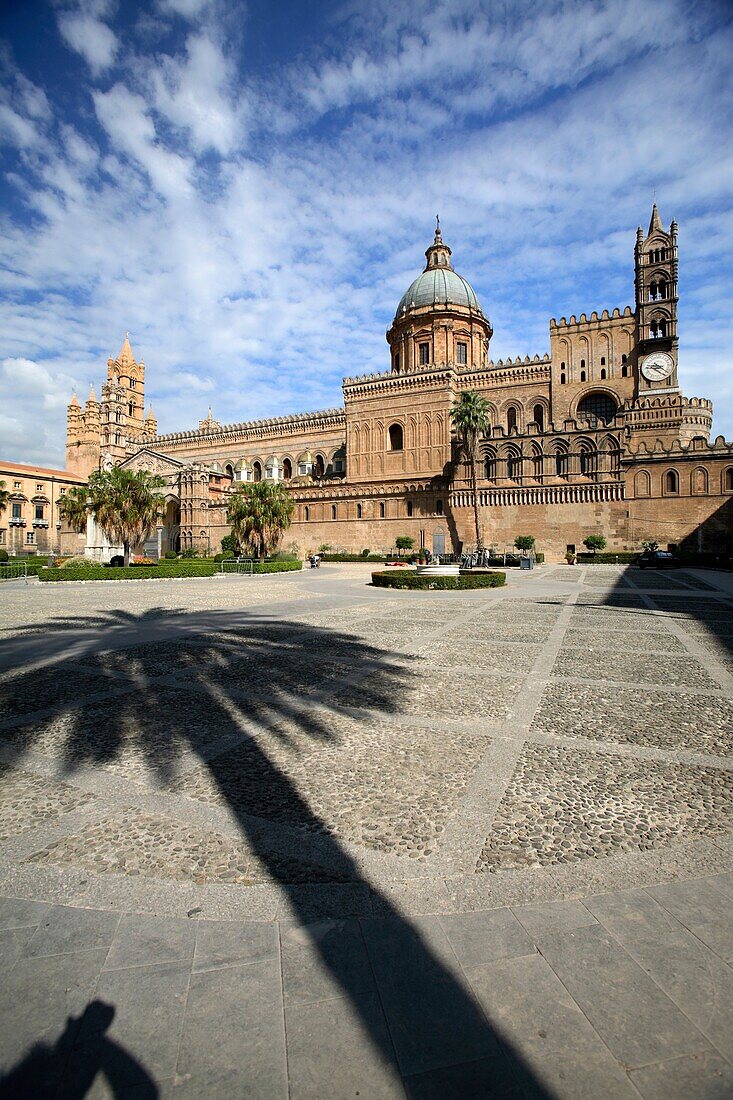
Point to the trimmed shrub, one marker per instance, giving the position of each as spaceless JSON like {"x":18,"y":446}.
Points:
{"x":3,"y":555}
{"x":164,"y":570}
{"x":404,"y":579}
{"x":355,"y":557}
{"x":284,"y":555}
{"x":170,"y":555}
{"x":621,"y":557}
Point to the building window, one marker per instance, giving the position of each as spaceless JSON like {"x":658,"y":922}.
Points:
{"x":582,"y":376}
{"x":511,"y":419}
{"x":658,"y":330}
{"x":596,"y":406}
{"x":381,"y":510}
{"x":671,"y":483}
{"x":306,"y":513}
{"x":603,"y":372}
{"x":603,"y":360}
{"x":287,"y":469}
{"x":358,"y":511}
{"x":257,"y":471}
{"x":439,"y":507}
{"x":396,"y":361}
{"x":424,"y":354}
{"x":62,"y":492}
{"x":538,"y":415}
{"x":514,"y":466}
{"x":16,"y":485}
{"x":39,"y":511}
{"x":490,"y":466}
{"x":562,"y":379}
{"x":333,"y":511}
{"x":396,"y":437}
{"x":461,"y":354}
{"x":728,"y":480}
{"x":582,"y":364}
{"x":561,"y":463}
{"x":409,"y":507}
{"x":17,"y":510}
{"x":30,"y":537}
{"x":133,"y":383}
{"x":39,"y":486}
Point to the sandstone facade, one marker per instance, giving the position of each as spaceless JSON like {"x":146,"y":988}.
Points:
{"x":595,"y":437}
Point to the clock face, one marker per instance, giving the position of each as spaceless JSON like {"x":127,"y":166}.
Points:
{"x":657,"y":366}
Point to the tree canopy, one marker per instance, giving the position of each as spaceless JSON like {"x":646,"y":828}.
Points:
{"x":74,"y":507}
{"x":259,"y":514}
{"x":126,"y":504}
{"x":471,"y":419}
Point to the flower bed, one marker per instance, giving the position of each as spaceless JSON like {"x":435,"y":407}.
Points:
{"x":411,"y":580}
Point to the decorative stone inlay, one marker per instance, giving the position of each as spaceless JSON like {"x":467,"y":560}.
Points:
{"x":133,"y":843}
{"x":564,"y":805}
{"x":387,"y":786}
{"x":616,"y":642}
{"x":27,"y":801}
{"x":700,"y":723}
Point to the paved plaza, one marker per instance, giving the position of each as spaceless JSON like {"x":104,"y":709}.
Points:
{"x":292,"y":836}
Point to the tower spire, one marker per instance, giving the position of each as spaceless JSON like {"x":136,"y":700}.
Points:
{"x":655,"y":223}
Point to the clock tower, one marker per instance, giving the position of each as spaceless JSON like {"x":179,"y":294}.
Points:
{"x":655,"y":261}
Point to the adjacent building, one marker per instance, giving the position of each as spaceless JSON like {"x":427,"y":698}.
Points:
{"x":31,"y":522}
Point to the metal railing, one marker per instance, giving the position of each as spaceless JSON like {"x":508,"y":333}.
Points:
{"x":238,"y":565}
{"x":14,"y":571}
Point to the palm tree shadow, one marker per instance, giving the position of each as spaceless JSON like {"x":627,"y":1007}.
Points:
{"x":229,"y":717}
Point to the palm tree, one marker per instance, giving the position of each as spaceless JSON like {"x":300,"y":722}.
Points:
{"x":74,"y":508}
{"x":126,"y":504}
{"x":4,"y":497}
{"x":471,"y":419}
{"x":259,"y":514}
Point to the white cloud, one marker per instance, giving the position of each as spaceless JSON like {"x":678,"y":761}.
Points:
{"x":90,"y":37}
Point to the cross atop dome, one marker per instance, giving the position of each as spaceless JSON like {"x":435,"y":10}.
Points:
{"x":438,"y":254}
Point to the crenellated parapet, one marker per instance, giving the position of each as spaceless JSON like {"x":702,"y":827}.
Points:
{"x":576,"y":322}
{"x":271,"y":427}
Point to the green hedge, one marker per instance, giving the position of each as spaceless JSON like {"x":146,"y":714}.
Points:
{"x":621,"y":557}
{"x":403,"y":579}
{"x":358,"y":557}
{"x":166,"y":569}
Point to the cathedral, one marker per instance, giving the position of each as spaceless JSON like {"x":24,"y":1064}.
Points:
{"x":595,"y":437}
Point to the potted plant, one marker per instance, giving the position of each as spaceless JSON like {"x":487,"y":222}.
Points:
{"x":570,"y":558}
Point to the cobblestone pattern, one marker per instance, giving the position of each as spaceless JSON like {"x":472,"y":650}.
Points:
{"x":700,"y":723}
{"x":616,"y":642}
{"x":387,"y":787}
{"x":45,"y":689}
{"x":632,"y":668}
{"x":480,"y":697}
{"x":135,"y":733}
{"x":27,"y":801}
{"x":564,"y":805}
{"x":498,"y":657}
{"x":132,"y":843}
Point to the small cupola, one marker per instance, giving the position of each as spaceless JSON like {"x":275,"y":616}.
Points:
{"x":438,"y":254}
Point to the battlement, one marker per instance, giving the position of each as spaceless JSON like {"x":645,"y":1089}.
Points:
{"x":502,"y":364}
{"x":699,"y":447}
{"x":298,"y":421}
{"x":574,"y":322}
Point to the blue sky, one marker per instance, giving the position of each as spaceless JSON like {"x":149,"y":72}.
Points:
{"x":248,"y":187}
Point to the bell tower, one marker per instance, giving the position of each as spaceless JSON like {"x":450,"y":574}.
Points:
{"x":655,"y":264}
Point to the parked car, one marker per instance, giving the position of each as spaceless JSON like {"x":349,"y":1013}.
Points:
{"x":657,"y":559}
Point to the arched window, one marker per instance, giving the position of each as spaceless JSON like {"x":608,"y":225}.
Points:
{"x":561,"y":462}
{"x":257,"y":471}
{"x":514,"y":465}
{"x":582,"y":376}
{"x":381,"y":509}
{"x":511,"y":419}
{"x":333,"y":511}
{"x":537,"y":464}
{"x":131,"y":409}
{"x":603,"y":372}
{"x":538,"y":415}
{"x":409,"y":507}
{"x":658,"y":330}
{"x":587,"y":462}
{"x":699,"y":480}
{"x":671,"y":483}
{"x":624,"y":371}
{"x":306,"y":513}
{"x":439,"y":507}
{"x":358,"y":511}
{"x":603,"y":360}
{"x":319,"y":466}
{"x":596,"y":406}
{"x":287,"y":469}
{"x":395,"y":437}
{"x":562,"y":379}
{"x":490,"y":465}
{"x":582,"y":364}
{"x":642,"y":484}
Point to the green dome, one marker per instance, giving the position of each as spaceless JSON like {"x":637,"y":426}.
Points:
{"x":439,"y":286}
